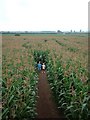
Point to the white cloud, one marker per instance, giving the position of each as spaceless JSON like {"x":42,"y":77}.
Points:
{"x":43,"y":14}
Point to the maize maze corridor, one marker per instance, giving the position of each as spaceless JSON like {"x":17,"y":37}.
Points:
{"x":46,"y":107}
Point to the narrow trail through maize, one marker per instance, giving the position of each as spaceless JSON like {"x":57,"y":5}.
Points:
{"x":46,"y":107}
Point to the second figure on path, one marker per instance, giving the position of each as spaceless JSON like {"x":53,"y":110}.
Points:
{"x":43,"y":68}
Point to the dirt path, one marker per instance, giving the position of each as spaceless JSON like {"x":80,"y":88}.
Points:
{"x":46,"y":107}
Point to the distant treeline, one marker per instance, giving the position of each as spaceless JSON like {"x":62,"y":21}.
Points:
{"x":47,"y":32}
{"x":41,"y":32}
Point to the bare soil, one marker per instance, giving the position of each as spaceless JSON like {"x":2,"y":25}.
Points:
{"x":46,"y":107}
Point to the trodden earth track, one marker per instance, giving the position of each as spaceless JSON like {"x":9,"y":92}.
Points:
{"x":46,"y":107}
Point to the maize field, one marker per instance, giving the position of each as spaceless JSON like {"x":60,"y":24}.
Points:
{"x":66,"y":59}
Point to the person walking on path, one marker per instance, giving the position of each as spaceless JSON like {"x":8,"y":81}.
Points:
{"x":39,"y":66}
{"x":43,"y":68}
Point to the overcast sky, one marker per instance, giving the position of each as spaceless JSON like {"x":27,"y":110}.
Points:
{"x":42,"y":15}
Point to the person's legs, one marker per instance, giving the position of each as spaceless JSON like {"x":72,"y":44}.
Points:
{"x":43,"y":71}
{"x":39,"y":68}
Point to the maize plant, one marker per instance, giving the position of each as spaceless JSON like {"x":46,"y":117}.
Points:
{"x":70,"y":92}
{"x":19,"y":89}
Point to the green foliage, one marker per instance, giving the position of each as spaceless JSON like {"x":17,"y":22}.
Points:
{"x":65,"y":38}
{"x":60,"y":43}
{"x":41,"y":56}
{"x":19,"y":96}
{"x":17,"y":34}
{"x":70,"y":92}
{"x":27,"y":45}
{"x":72,"y":49}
